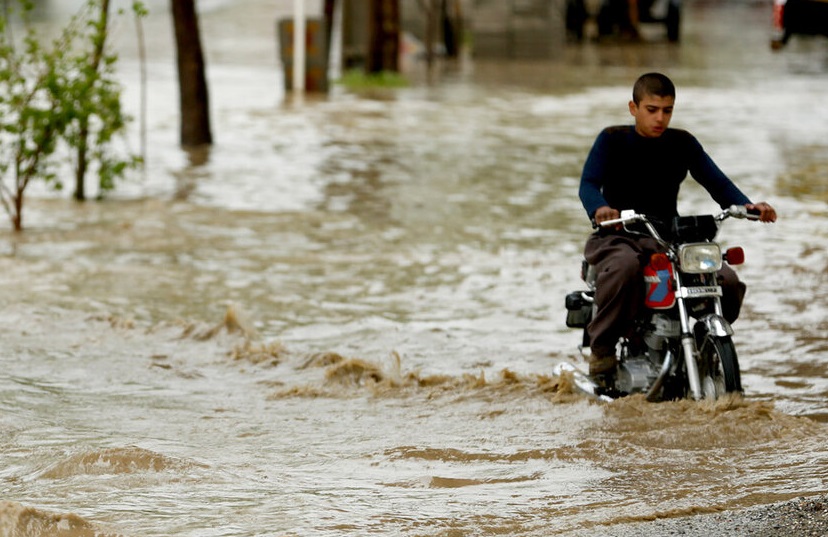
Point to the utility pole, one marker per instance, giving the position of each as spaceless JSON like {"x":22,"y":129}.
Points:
{"x":299,"y":51}
{"x":383,"y":36}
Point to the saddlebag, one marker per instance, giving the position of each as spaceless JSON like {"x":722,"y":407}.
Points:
{"x":578,"y":309}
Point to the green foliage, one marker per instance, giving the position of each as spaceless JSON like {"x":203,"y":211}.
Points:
{"x":140,"y":9}
{"x":58,"y":98}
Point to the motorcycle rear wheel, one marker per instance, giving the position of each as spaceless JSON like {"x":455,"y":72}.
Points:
{"x":719,"y":367}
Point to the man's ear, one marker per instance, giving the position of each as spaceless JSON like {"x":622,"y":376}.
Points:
{"x":633,"y":108}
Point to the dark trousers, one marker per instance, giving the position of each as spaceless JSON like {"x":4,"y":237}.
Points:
{"x":619,"y":295}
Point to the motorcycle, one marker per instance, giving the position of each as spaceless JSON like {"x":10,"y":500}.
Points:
{"x":681,"y":344}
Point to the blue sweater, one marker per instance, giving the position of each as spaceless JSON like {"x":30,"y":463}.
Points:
{"x":625,"y":170}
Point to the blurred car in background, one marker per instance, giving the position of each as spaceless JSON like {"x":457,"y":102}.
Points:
{"x":622,"y":17}
{"x":804,"y":17}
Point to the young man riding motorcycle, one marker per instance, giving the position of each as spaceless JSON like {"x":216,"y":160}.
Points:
{"x":641,"y":167}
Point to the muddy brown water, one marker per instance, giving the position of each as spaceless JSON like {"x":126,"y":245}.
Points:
{"x":344,"y":319}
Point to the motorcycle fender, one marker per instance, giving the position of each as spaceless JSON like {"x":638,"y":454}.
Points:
{"x":716,"y":325}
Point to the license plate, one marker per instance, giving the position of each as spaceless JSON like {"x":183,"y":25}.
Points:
{"x":696,"y":292}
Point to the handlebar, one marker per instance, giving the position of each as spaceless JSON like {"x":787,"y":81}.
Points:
{"x":734,"y":211}
{"x":627,"y":217}
{"x":631,"y":217}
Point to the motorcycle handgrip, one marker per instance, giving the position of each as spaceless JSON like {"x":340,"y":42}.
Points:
{"x":627,"y":216}
{"x":740,"y":211}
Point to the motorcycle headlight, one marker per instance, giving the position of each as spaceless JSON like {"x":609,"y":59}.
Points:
{"x":700,"y":257}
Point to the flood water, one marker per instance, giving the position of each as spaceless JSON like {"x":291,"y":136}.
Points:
{"x":343,"y":319}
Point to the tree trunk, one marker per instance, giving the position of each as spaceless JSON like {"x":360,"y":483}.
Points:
{"x":81,"y":164}
{"x":452,"y":27}
{"x":431,"y":15}
{"x":194,"y":101}
{"x":383,"y":36}
{"x":17,"y":202}
{"x":17,"y":219}
{"x":328,"y":14}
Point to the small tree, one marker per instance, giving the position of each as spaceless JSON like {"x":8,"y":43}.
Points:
{"x":31,"y":120}
{"x":53,"y":96}
{"x":92,"y":96}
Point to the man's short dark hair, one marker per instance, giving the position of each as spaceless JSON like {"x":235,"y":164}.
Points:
{"x":653,"y":84}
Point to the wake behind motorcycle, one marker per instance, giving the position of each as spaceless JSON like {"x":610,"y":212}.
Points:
{"x":681,"y":344}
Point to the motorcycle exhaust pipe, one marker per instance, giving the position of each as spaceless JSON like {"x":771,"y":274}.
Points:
{"x":652,"y":394}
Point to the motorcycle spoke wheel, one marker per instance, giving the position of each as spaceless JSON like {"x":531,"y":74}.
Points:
{"x":720,"y":367}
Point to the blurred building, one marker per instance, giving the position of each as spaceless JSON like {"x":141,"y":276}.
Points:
{"x":508,"y":29}
{"x":518,"y":29}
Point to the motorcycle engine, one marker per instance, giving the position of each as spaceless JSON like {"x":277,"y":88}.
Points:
{"x":638,"y":371}
{"x":662,"y":328}
{"x":636,"y":374}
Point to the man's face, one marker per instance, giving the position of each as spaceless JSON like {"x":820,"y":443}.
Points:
{"x":652,"y":115}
